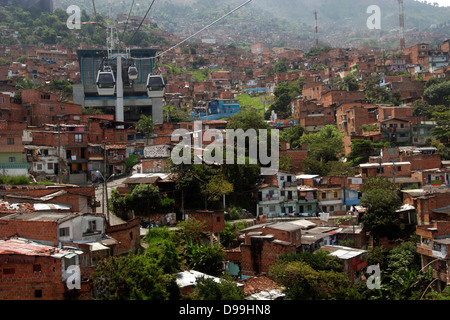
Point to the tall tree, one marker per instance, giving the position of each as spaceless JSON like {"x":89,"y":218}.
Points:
{"x":145,"y":126}
{"x":381,"y":200}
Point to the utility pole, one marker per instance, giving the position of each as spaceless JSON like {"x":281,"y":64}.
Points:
{"x":316,"y":29}
{"x":402,"y":25}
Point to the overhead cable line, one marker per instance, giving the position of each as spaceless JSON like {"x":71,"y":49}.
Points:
{"x":204,"y":28}
{"x":128,"y":18}
{"x":151,"y":5}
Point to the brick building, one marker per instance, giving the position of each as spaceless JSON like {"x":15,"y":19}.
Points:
{"x":263,"y":244}
{"x":32,"y":271}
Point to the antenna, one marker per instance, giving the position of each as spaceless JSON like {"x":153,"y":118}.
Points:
{"x":402,"y":25}
{"x":317,"y":29}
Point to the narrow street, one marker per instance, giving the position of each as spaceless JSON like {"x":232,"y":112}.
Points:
{"x":99,"y":196}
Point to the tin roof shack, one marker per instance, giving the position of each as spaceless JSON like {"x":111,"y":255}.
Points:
{"x":78,"y":199}
{"x":54,"y":228}
{"x":32,"y":271}
{"x":354,"y":260}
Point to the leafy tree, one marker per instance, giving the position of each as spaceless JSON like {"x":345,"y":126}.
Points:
{"x":165,"y":254}
{"x":292,"y":135}
{"x":442,"y":130}
{"x":248,"y":118}
{"x":145,"y":126}
{"x":216,"y":187}
{"x":381,"y":200}
{"x":145,"y":199}
{"x":362,"y":150}
{"x":205,"y":258}
{"x":174,"y":114}
{"x":444,"y":295}
{"x":208,"y":289}
{"x":282,"y":104}
{"x":302,"y":282}
{"x":438,"y":94}
{"x":192,"y":229}
{"x":350,"y":83}
{"x":137,"y":277}
{"x":285,"y":163}
{"x":324,"y":145}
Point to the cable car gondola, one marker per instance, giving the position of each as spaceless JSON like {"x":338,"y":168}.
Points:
{"x":132,"y":73}
{"x":155,"y":86}
{"x":106,"y":83}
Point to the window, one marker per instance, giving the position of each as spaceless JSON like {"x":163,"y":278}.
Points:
{"x":39,"y":167}
{"x":10,"y":141}
{"x":12,"y":159}
{"x":38,"y":293}
{"x":399,"y":169}
{"x":50,"y":166}
{"x":37,"y":268}
{"x":2,"y":100}
{"x":335,"y":195}
{"x":64,"y":232}
{"x":62,"y":107}
{"x":324,"y":195}
{"x":218,"y":219}
{"x":78,"y":138}
{"x":93,"y":225}
{"x":51,"y":109}
{"x":272,"y":208}
{"x":309,"y":207}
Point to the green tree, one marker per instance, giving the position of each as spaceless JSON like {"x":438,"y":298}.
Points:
{"x":208,"y":289}
{"x":215,"y":188}
{"x":136,"y":277}
{"x":163,"y":251}
{"x":145,"y":199}
{"x":248,"y":118}
{"x":350,"y":83}
{"x":362,"y":150}
{"x":438,"y":94}
{"x":145,"y":126}
{"x":324,"y":145}
{"x":205,"y":258}
{"x":381,"y":200}
{"x":292,"y":135}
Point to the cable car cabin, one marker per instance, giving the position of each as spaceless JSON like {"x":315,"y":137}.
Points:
{"x":106,"y":83}
{"x":155,"y":86}
{"x":132,"y":73}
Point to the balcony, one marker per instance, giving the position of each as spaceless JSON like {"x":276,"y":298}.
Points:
{"x":288,"y":184}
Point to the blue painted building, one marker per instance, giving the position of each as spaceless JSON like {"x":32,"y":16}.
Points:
{"x":217,"y":109}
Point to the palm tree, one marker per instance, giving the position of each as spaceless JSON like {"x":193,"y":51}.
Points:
{"x":145,"y":125}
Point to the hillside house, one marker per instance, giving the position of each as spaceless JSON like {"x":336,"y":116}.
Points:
{"x":33,"y":271}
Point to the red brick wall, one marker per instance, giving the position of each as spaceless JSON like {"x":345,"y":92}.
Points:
{"x":215,"y":220}
{"x":21,"y":285}
{"x":258,"y":256}
{"x":35,"y":230}
{"x":423,"y":161}
{"x":127,"y":234}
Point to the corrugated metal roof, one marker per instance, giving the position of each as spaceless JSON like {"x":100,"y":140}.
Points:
{"x":25,"y":247}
